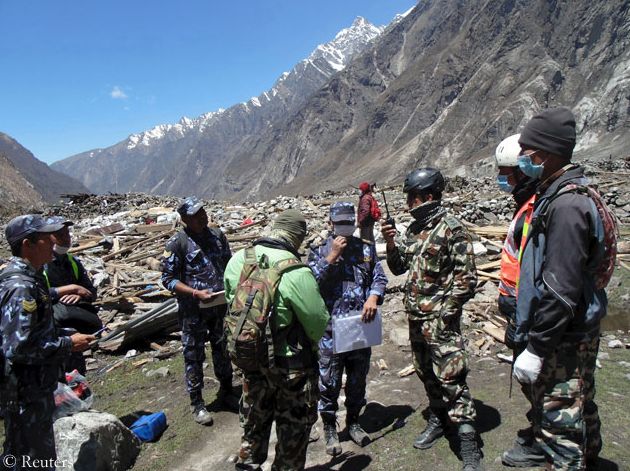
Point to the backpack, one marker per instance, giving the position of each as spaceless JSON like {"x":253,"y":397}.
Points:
{"x":247,"y":327}
{"x":375,"y":211}
{"x":181,"y":246}
{"x":604,"y":270}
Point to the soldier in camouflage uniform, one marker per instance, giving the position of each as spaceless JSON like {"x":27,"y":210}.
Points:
{"x":437,"y":253}
{"x":32,"y":350}
{"x":192,"y":268}
{"x":350,"y":277}
{"x":286,"y":393}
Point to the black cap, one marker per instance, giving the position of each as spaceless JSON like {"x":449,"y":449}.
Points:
{"x":22,"y":226}
{"x":553,"y":131}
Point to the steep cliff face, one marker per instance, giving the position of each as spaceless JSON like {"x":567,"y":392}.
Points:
{"x":45,"y":181}
{"x":441,"y":86}
{"x":446,"y":84}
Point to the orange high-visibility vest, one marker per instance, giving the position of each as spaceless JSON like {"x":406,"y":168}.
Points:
{"x":511,"y":254}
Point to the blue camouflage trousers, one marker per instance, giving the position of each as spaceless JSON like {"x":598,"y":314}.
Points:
{"x":198,"y":326}
{"x":289,"y":397}
{"x":331,"y":367}
{"x":28,"y":429}
{"x":566,"y":419}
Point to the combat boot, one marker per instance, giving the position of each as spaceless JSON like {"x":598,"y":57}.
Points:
{"x":199,"y":411}
{"x":333,"y":447}
{"x":227,"y":397}
{"x":469,"y":448}
{"x":432,"y":432}
{"x":357,"y":434}
{"x":525,"y":453}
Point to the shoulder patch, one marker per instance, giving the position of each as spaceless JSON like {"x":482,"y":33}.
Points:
{"x":29,"y":306}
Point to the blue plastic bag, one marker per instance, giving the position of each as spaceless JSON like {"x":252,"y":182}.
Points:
{"x":149,"y":427}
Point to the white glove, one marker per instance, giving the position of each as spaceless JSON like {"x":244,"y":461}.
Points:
{"x":527,"y":367}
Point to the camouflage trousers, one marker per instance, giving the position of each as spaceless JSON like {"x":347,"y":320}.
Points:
{"x":565,"y":416}
{"x":441,"y":363}
{"x":198,"y":326}
{"x":331,"y":367}
{"x":290,"y":398}
{"x":29,"y":432}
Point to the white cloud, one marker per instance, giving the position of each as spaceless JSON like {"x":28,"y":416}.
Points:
{"x":117,"y":93}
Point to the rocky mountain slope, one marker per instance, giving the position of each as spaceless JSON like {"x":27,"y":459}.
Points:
{"x":186,"y":156}
{"x":441,"y":86}
{"x":15,"y":191}
{"x":48,"y":183}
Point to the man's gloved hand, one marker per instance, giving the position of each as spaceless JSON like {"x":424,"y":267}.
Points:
{"x":527,"y":367}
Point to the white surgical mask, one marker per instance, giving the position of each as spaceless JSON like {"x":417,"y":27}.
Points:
{"x":60,"y":249}
{"x":343,"y":230}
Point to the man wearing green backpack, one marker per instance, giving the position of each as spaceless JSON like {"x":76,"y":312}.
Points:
{"x":275,"y":321}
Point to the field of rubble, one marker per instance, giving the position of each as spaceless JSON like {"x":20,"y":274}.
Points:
{"x":138,"y":367}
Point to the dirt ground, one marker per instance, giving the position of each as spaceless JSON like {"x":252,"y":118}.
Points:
{"x":393,"y":416}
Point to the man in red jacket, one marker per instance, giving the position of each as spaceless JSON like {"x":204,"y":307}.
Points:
{"x":369,"y":211}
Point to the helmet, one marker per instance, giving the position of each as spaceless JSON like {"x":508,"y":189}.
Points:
{"x":424,"y":179}
{"x":508,"y":151}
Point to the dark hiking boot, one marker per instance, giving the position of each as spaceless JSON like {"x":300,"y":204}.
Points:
{"x":469,"y":449}
{"x":357,"y":434}
{"x":333,"y":447}
{"x":227,"y":397}
{"x":432,"y":432}
{"x":523,"y":456}
{"x":525,"y":453}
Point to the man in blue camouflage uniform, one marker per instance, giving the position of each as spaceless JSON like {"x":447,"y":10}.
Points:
{"x":192,"y":268}
{"x":32,"y":350}
{"x":437,"y":253}
{"x":350,"y":277}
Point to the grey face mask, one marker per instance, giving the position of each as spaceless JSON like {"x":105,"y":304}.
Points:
{"x":344,"y":230}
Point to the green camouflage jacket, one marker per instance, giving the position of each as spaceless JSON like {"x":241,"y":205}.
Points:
{"x":441,"y":266}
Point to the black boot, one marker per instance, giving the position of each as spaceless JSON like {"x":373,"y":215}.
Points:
{"x":333,"y":447}
{"x":469,"y":448}
{"x":357,"y":434}
{"x":525,"y":453}
{"x":226,"y":396}
{"x":432,"y":432}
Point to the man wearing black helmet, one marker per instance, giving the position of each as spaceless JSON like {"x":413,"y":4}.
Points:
{"x":437,"y":253}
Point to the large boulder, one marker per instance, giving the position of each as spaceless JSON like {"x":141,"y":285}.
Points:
{"x":95,"y":441}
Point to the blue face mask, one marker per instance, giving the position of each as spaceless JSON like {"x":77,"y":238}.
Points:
{"x":528,"y":167}
{"x":502,"y":181}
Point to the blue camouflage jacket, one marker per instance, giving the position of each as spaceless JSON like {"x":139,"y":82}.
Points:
{"x":198,"y":268}
{"x":30,"y":343}
{"x":346,"y":285}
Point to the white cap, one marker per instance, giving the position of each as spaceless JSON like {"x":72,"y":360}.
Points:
{"x":508,"y":151}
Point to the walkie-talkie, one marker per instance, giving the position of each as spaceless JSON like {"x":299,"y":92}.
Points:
{"x":388,"y":220}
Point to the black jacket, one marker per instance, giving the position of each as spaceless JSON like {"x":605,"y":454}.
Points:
{"x":571,"y":252}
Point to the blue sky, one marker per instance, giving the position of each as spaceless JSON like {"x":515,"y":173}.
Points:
{"x":81,"y":74}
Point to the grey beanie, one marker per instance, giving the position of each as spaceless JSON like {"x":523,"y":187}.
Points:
{"x":553,"y":131}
